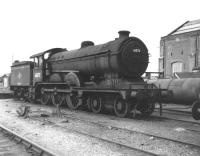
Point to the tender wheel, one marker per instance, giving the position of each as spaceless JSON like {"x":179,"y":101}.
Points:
{"x":147,"y":108}
{"x":20,"y":93}
{"x":96,"y":104}
{"x":121,"y":107}
{"x":45,"y":99}
{"x":196,"y":110}
{"x":73,"y":102}
{"x":15,"y":94}
{"x":57,"y":99}
{"x":27,"y":97}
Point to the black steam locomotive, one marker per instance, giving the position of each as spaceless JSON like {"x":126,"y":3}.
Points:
{"x":97,"y":77}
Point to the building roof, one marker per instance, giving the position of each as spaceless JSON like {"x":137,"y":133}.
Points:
{"x":188,"y":26}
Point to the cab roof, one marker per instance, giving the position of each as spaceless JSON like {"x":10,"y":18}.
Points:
{"x":50,"y":51}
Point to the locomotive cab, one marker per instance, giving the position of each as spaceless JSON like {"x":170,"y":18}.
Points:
{"x":41,"y":68}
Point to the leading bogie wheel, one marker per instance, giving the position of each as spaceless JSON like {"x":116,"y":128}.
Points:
{"x":196,"y":110}
{"x":96,"y":104}
{"x":121,"y":107}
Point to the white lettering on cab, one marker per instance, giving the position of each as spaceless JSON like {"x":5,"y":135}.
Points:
{"x":37,"y":75}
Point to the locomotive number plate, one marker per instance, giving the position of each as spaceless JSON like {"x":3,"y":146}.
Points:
{"x":136,"y":50}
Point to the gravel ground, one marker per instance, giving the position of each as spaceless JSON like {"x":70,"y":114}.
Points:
{"x":62,"y":138}
{"x":55,"y":138}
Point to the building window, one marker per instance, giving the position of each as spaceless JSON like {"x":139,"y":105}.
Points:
{"x":177,"y":67}
{"x":171,"y":54}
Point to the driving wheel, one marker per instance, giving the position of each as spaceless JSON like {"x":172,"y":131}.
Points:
{"x":121,"y":107}
{"x":96,"y":104}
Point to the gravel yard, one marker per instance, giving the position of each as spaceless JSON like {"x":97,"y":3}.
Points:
{"x":60,"y":134}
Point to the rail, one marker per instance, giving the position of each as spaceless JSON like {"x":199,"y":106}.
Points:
{"x":41,"y":151}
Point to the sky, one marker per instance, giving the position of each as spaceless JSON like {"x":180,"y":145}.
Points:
{"x":28,"y":27}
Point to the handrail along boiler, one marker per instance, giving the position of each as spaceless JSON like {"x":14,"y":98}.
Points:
{"x":98,"y":77}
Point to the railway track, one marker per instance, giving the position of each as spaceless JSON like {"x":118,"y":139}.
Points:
{"x":118,"y":142}
{"x":137,"y":151}
{"x":31,"y":148}
{"x":184,"y":121}
{"x":133,"y":131}
{"x":179,"y":120}
{"x":148,"y":134}
{"x":176,"y":113}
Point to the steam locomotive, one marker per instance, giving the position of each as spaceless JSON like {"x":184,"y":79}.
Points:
{"x":97,"y":77}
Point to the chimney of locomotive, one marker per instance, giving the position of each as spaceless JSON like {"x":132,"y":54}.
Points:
{"x":124,"y":34}
{"x":87,"y":44}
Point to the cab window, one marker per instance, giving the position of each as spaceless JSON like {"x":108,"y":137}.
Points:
{"x":36,"y":61}
{"x":40,"y":61}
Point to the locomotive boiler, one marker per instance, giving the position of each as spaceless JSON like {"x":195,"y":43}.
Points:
{"x":126,"y":56}
{"x":98,"y":77}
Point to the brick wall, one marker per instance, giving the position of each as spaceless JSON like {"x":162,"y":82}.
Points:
{"x":179,"y":48}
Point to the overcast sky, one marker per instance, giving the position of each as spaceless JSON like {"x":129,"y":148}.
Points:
{"x":32,"y":26}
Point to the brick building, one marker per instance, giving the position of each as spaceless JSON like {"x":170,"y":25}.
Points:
{"x":179,"y":51}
